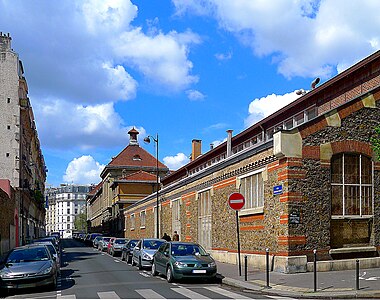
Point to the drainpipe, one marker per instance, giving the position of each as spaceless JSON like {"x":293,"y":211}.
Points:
{"x":229,"y":142}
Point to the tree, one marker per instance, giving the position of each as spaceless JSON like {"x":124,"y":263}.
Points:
{"x":375,"y":140}
{"x":80,"y":222}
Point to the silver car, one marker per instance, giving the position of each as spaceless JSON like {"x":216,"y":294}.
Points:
{"x":103,"y":243}
{"x":29,"y":266}
{"x":117,"y":246}
{"x":142,"y":254}
{"x":53,"y":252}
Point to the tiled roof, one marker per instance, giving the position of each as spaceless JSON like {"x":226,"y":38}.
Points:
{"x":95,"y":189}
{"x":134,"y":155}
{"x":139,"y":176}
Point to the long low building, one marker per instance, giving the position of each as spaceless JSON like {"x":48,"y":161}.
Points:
{"x":308,"y":173}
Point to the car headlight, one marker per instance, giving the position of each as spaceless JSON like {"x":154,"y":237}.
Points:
{"x":180,"y":264}
{"x":45,"y":271}
{"x":5,"y":275}
{"x":212,"y":264}
{"x":146,"y":256}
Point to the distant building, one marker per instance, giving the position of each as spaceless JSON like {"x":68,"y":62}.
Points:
{"x":64,"y":203}
{"x":21,"y":159}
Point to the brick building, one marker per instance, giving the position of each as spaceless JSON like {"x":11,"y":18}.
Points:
{"x":308,"y":173}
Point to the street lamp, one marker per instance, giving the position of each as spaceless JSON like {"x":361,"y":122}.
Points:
{"x":148,"y":140}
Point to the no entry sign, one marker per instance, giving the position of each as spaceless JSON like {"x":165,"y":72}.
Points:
{"x":236,"y":201}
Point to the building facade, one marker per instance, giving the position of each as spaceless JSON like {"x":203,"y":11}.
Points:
{"x":129,"y":177}
{"x":309,"y":176}
{"x":21,"y":159}
{"x":64,"y":205}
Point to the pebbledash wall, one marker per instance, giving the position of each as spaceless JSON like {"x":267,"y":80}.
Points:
{"x":299,"y":161}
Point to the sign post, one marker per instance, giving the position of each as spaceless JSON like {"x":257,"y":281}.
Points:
{"x":236,"y":201}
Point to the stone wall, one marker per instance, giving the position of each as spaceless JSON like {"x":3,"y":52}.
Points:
{"x":7,"y":217}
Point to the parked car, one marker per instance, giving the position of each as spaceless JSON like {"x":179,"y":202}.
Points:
{"x":143,"y":252}
{"x":90,"y":238}
{"x":179,"y":260}
{"x":110,"y":243}
{"x":53,"y":251}
{"x":117,"y":246}
{"x":127,"y":251}
{"x":50,"y":239}
{"x":96,"y":240}
{"x":28,"y":266}
{"x":103,"y":243}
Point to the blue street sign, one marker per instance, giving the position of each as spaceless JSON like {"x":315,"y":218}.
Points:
{"x":277,"y":190}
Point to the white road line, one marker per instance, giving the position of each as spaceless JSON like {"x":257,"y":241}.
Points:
{"x":189,"y":293}
{"x":149,"y":294}
{"x":115,"y":260}
{"x":224,"y":292}
{"x":144,"y":274}
{"x":108,"y":295}
{"x":281,"y":298}
{"x":67,"y":297}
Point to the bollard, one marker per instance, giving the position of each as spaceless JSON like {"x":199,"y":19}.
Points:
{"x":267,"y":262}
{"x":315,"y":270}
{"x":357,"y":275}
{"x":245,"y":267}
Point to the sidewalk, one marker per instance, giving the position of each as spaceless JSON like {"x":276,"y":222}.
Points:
{"x":335,"y":284}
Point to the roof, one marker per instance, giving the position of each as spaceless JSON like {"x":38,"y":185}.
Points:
{"x":139,"y":176}
{"x":133,"y":155}
{"x":95,"y":189}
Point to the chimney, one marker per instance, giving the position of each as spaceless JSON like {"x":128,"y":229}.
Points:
{"x":229,"y":142}
{"x":196,"y":149}
{"x":133,"y":133}
{"x":211,"y":146}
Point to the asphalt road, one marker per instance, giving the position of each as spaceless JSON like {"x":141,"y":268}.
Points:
{"x":88,"y":274}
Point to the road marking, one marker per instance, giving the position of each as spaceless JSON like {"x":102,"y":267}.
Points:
{"x":67,"y":297}
{"x":189,"y":293}
{"x":144,"y":274}
{"x":108,"y":295}
{"x":224,"y":292}
{"x":149,"y":294}
{"x":115,"y":260}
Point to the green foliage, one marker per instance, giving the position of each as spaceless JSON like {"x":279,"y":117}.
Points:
{"x":375,"y":140}
{"x":80,"y":222}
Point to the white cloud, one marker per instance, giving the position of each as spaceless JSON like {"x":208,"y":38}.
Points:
{"x":161,"y":58}
{"x":223,"y":56}
{"x":176,"y":162}
{"x":65,"y":125}
{"x":260,"y":108}
{"x":83,"y":170}
{"x":194,"y":95}
{"x":305,"y":37}
{"x":107,"y":16}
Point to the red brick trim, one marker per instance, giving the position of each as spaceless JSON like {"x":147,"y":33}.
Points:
{"x":312,"y":152}
{"x":345,"y":112}
{"x":183,"y":197}
{"x":165,"y":203}
{"x":188,"y":238}
{"x":351,"y":146}
{"x":247,"y":219}
{"x":291,"y":174}
{"x":284,"y":219}
{"x":313,"y":128}
{"x":224,"y":183}
{"x":291,"y":197}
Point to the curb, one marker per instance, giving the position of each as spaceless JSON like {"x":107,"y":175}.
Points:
{"x":250,"y":287}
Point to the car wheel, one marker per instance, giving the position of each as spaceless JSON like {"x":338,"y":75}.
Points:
{"x":169,"y":275}
{"x":154,"y":271}
{"x":129,"y":259}
{"x":140,"y":264}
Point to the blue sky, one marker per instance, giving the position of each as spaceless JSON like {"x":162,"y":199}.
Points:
{"x":183,"y":69}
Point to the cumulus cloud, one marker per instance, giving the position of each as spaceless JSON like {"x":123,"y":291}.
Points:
{"x":194,"y":95}
{"x":290,"y":31}
{"x":223,"y":56}
{"x":63,"y":124}
{"x":260,"y":108}
{"x":83,"y":170}
{"x":176,"y":162}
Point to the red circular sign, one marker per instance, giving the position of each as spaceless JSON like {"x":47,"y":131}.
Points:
{"x":236,"y":201}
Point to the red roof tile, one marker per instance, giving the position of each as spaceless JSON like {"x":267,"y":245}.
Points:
{"x":140,"y":176}
{"x":134,"y":155}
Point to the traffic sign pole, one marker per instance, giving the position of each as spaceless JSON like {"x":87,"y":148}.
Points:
{"x":238,"y":240}
{"x":236,"y":201}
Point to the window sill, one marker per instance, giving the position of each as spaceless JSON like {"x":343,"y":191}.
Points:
{"x":351,"y":217}
{"x":142,"y":227}
{"x":251,"y":211}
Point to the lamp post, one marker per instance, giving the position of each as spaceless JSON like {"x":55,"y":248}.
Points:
{"x":148,"y":140}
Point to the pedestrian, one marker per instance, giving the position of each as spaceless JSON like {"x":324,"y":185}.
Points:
{"x":175,"y":236}
{"x":166,"y":237}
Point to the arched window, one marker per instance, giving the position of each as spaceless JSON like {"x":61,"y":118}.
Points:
{"x":351,"y":185}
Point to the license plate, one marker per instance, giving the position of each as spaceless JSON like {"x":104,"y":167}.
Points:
{"x":199,"y":271}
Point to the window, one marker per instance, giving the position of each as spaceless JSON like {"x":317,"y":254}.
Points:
{"x":68,"y":218}
{"x":7,"y":154}
{"x":311,"y":113}
{"x":8,"y":127}
{"x":299,"y":119}
{"x":68,"y":211}
{"x":132,"y":221}
{"x":142,"y":219}
{"x":252,"y":188}
{"x":288,"y":124}
{"x":351,"y":185}
{"x":270,"y":133}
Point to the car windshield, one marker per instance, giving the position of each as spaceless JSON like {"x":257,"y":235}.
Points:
{"x":106,"y":239}
{"x":120,"y":241}
{"x":26,"y":255}
{"x":187,"y":249}
{"x":152,"y":244}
